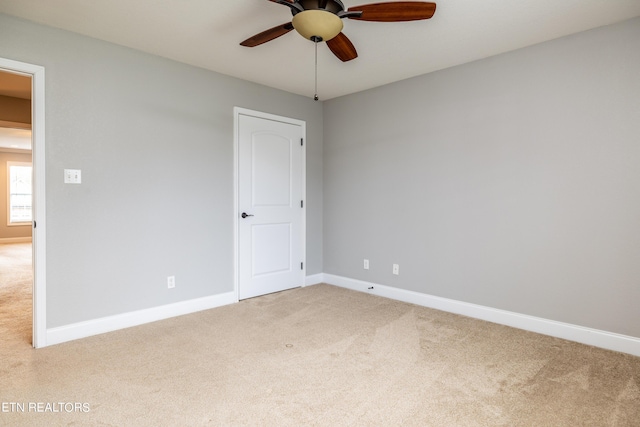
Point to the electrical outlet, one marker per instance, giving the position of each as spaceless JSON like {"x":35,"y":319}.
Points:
{"x":171,"y":282}
{"x":396,"y":269}
{"x":366,"y":264}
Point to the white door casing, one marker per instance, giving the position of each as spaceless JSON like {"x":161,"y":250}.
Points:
{"x":270,"y":212}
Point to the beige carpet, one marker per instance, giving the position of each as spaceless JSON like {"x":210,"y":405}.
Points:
{"x":16,"y":297}
{"x":324,"y":356}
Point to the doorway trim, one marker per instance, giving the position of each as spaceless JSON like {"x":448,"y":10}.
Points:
{"x":39,"y":334}
{"x":237,"y":112}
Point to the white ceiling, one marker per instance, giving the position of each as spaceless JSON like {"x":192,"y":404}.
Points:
{"x":207,"y":33}
{"x":15,"y":139}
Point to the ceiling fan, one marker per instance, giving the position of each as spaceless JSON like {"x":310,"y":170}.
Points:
{"x":321,"y":20}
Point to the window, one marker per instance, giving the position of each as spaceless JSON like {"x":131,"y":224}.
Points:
{"x":20,"y":188}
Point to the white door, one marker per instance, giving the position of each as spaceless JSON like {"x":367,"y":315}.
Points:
{"x":270,"y":204}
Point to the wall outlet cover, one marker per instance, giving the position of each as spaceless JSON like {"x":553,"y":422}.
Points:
{"x":72,"y":176}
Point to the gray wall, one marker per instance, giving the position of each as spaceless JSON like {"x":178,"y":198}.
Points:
{"x":511,"y":182}
{"x":154,"y":141}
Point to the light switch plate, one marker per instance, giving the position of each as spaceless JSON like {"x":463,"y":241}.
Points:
{"x":72,"y":176}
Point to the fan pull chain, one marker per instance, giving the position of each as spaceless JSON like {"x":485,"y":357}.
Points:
{"x":315,"y":96}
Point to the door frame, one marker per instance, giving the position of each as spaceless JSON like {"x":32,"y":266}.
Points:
{"x":39,"y":334}
{"x":237,"y":112}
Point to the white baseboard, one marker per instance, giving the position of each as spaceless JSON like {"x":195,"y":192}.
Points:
{"x":314,"y":279}
{"x":581,"y":334}
{"x":126,"y":320}
{"x":15,"y":240}
{"x":594,"y":337}
{"x":135,"y":318}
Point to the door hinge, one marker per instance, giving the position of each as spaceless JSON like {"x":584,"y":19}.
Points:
{"x":302,"y":203}
{"x":301,"y":141}
{"x":34,"y":224}
{"x":301,"y":266}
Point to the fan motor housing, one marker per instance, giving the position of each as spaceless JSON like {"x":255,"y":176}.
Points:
{"x":333,"y":6}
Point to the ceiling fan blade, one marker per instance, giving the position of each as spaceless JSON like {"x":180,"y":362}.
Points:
{"x":394,"y":11}
{"x":342,"y":47}
{"x":268,"y":35}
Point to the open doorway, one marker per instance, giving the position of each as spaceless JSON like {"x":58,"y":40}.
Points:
{"x":16,"y":207}
{"x":39,"y":233}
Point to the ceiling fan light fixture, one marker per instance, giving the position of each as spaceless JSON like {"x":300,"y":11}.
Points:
{"x":317,"y":23}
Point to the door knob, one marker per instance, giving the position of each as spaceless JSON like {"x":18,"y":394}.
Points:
{"x":244,"y":215}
